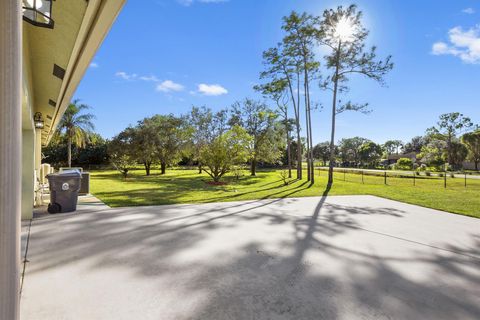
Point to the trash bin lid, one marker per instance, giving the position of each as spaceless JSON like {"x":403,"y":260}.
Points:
{"x":66,"y":173}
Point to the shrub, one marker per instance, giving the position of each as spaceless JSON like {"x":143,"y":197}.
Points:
{"x":440,"y":175}
{"x":238,"y":172}
{"x":428,"y":173}
{"x":404,"y":164}
{"x":284,"y":176}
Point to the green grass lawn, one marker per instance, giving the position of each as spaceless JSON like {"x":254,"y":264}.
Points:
{"x":187,"y":186}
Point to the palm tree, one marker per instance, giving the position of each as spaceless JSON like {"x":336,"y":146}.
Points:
{"x":77,"y":126}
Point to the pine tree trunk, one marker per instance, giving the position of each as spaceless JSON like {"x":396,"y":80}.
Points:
{"x":299,"y":140}
{"x":299,"y":155}
{"x":296,"y":109}
{"x":334,"y":112}
{"x":289,"y":156}
{"x":309,"y":133}
{"x":253,"y":167}
{"x":309,"y":169}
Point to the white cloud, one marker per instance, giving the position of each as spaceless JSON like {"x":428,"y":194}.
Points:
{"x":468,"y":11}
{"x":464,"y":44}
{"x":211,"y":89}
{"x":94,"y":65}
{"x":164,"y":86}
{"x":126,"y":76}
{"x":133,"y":76}
{"x":169,"y":85}
{"x":149,"y":78}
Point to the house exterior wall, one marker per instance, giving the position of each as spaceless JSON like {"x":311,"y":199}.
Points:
{"x":29,"y":136}
{"x":467,"y":165}
{"x":28,"y":174}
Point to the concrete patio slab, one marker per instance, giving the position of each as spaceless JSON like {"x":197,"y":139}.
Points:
{"x":342,"y":257}
{"x":86,"y":203}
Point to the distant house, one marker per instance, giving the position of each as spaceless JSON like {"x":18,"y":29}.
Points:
{"x":467,"y":165}
{"x":393,"y":158}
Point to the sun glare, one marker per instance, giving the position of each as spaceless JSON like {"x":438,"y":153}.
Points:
{"x":344,"y":30}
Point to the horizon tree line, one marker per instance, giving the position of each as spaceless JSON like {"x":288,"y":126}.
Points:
{"x":167,"y":140}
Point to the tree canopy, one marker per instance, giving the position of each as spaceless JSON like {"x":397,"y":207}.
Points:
{"x":76,"y":125}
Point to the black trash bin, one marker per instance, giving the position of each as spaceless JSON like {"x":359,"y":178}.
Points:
{"x":64,"y":189}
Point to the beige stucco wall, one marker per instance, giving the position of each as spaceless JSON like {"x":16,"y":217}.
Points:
{"x":28,"y":135}
{"x":28,"y":140}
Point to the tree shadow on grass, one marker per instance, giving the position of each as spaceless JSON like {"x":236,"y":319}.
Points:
{"x":171,"y":192}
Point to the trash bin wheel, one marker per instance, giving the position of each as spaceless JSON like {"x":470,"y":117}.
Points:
{"x":54,"y":208}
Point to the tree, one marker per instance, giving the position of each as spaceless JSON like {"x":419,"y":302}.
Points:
{"x":349,"y":149}
{"x":93,"y":153}
{"x":343,"y":33}
{"x":171,"y":136}
{"x":321,"y":151}
{"x":433,"y":153}
{"x":77,"y":126}
{"x":415,"y":145}
{"x":138,"y":143}
{"x":299,"y":43}
{"x":259,"y":122}
{"x":200,"y":120}
{"x":224,"y":151}
{"x":294,"y":150}
{"x":370,"y":153}
{"x":120,"y":152}
{"x":281,"y":67}
{"x":448,"y":127}
{"x":277,"y":90}
{"x":472,"y":141}
{"x":143,"y":143}
{"x":392,"y":146}
{"x":459,"y":153}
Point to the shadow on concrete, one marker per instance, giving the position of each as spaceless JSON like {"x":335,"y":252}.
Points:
{"x":291,"y":261}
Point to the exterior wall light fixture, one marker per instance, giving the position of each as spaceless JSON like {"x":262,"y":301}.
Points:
{"x":38,"y":12}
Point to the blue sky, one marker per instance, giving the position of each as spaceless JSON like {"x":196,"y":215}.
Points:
{"x":163,"y":56}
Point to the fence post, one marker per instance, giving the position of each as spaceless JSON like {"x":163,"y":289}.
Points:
{"x":362,"y":176}
{"x":344,"y":174}
{"x":465,"y":179}
{"x":445,"y":179}
{"x":414,"y":173}
{"x":385,"y":177}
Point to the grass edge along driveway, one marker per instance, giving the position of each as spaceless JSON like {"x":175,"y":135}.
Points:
{"x":187,"y":186}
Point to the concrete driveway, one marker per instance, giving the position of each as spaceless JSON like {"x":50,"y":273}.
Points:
{"x":342,"y":257}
